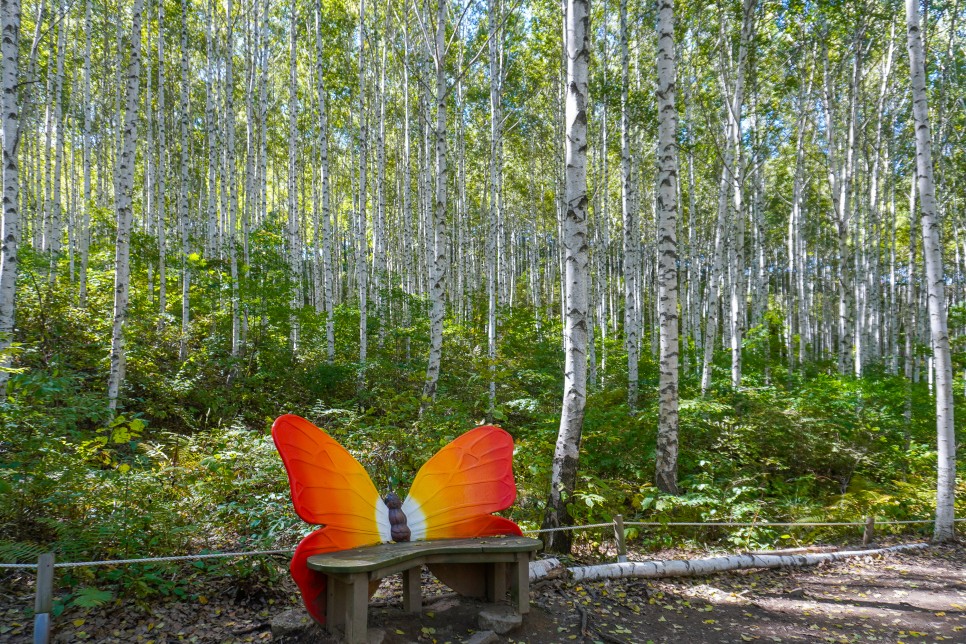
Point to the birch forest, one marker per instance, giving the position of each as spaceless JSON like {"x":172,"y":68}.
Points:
{"x":705,"y":261}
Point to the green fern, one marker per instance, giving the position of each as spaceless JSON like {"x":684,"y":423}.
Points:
{"x":20,"y":551}
{"x":88,"y":597}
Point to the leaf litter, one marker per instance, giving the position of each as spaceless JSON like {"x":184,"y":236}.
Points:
{"x":906,"y":597}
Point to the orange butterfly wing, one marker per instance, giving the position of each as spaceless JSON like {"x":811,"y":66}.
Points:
{"x":453,"y":495}
{"x":328,"y":487}
{"x":456,"y":491}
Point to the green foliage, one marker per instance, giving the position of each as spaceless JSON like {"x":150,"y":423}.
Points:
{"x":187,"y":464}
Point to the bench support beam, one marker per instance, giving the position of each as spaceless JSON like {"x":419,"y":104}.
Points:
{"x":412,"y":590}
{"x":520,"y":583}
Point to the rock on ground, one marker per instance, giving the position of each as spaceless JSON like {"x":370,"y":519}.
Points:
{"x":500,"y":619}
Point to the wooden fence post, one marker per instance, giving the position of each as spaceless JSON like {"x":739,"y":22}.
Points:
{"x":869,"y":533}
{"x":44,"y":601}
{"x":619,"y":533}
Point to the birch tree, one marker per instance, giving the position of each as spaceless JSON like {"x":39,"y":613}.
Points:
{"x":361,"y":240}
{"x":437,"y":234}
{"x":85,"y":227}
{"x":57,"y":122}
{"x":496,"y":189}
{"x":935,"y":285}
{"x":729,"y":185}
{"x":632,"y":239}
{"x":292,"y":232}
{"x":563,"y":478}
{"x":229,"y":155}
{"x":123,"y":207}
{"x":667,"y":206}
{"x":327,"y":277}
{"x":10,"y":111}
{"x":162,"y":193}
{"x":183,"y":217}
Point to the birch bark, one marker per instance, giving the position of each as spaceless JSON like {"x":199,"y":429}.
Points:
{"x":574,"y":240}
{"x":162,"y":193}
{"x":496,"y":191}
{"x":56,"y":211}
{"x":362,"y":245}
{"x":730,"y":185}
{"x":632,"y":239}
{"x":183,"y":189}
{"x":211,"y":227}
{"x":124,"y":210}
{"x":738,"y":300}
{"x":667,"y":279}
{"x":438,"y":233}
{"x":379,"y":238}
{"x":293,"y":217}
{"x":231,"y":236}
{"x":327,"y":277}
{"x":935,"y":284}
{"x":10,"y":112}
{"x":407,"y":210}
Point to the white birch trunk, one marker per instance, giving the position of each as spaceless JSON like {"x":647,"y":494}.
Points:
{"x":438,"y":233}
{"x":124,"y":210}
{"x":935,"y":285}
{"x":362,"y":244}
{"x":496,"y":190}
{"x":10,"y":113}
{"x":56,"y":210}
{"x":714,"y":274}
{"x":327,"y":278}
{"x":211,"y":225}
{"x":574,"y":241}
{"x":293,"y":215}
{"x":796,"y":254}
{"x":162,"y":193}
{"x":667,"y":279}
{"x":262,"y":210}
{"x":379,"y":239}
{"x":697,"y":567}
{"x":184,"y":222}
{"x":149,"y":187}
{"x":407,"y":210}
{"x":231,"y":236}
{"x":632,"y":235}
{"x":738,"y":301}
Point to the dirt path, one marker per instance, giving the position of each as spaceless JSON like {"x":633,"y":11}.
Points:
{"x":902,"y":597}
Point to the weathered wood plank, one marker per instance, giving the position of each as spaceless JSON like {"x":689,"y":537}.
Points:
{"x":385,"y":555}
{"x":357,"y":609}
{"x":412,"y":590}
{"x":520,"y":583}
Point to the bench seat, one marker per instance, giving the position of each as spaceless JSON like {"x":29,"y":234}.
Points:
{"x":468,"y":564}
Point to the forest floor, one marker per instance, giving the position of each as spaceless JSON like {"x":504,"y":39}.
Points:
{"x":908,"y":597}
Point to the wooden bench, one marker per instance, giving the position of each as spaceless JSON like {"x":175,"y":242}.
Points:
{"x":474,"y":567}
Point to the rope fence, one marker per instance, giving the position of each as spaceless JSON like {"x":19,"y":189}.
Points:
{"x":733,"y":524}
{"x":46,"y":564}
{"x":591,"y":526}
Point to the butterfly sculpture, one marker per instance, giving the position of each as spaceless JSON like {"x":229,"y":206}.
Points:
{"x":452,"y":496}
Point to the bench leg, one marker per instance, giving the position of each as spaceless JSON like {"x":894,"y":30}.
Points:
{"x":412,"y":590}
{"x":357,"y":608}
{"x":495,"y":582}
{"x":520,"y":583}
{"x":335,"y":590}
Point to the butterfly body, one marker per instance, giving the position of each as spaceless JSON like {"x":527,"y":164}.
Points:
{"x":452,"y":496}
{"x":397,"y":518}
